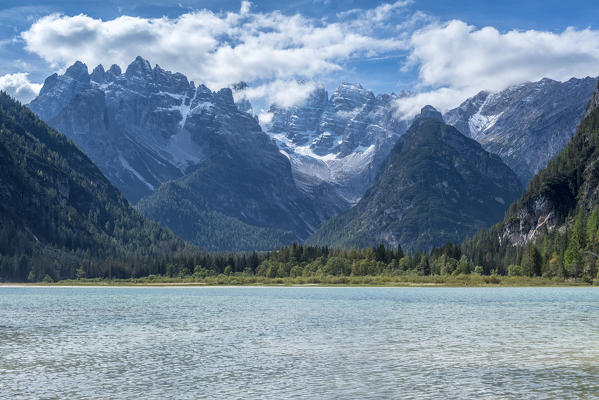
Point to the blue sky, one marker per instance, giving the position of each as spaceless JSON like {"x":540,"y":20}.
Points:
{"x":442,"y":51}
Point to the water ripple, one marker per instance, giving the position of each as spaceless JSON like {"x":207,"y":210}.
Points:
{"x":273,"y":343}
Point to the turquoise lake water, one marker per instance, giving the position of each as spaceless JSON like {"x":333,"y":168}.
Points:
{"x":313,"y":343}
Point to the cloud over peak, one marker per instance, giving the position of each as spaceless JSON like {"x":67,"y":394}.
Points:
{"x":455,"y":60}
{"x":19,"y":86}
{"x":217,"y":49}
{"x":460,"y":55}
{"x":446,"y":62}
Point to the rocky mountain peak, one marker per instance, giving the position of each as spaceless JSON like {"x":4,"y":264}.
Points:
{"x":429,"y":111}
{"x":58,"y":90}
{"x":240,"y":86}
{"x":49,"y":83}
{"x":140,"y":68}
{"x":171,"y":82}
{"x":241,"y":100}
{"x":348,"y":86}
{"x":225,"y":97}
{"x":350,"y":96}
{"x":78,"y":71}
{"x":436,"y":186}
{"x":115,"y":70}
{"x":98,"y":74}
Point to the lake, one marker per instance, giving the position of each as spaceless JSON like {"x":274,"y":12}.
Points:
{"x":305,"y":342}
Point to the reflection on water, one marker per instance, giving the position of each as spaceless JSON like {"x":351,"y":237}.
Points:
{"x":299,"y":343}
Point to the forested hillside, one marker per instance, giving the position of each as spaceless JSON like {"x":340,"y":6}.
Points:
{"x":58,"y":213}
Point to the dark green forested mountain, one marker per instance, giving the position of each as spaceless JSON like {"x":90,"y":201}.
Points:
{"x":234,"y":202}
{"x":437,"y":186}
{"x":554,"y":228}
{"x":57,"y":210}
{"x":179,"y":205}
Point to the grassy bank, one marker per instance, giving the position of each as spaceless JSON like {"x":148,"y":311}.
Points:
{"x":472,"y":280}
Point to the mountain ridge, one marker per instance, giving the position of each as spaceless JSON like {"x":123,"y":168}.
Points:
{"x":526,"y":124}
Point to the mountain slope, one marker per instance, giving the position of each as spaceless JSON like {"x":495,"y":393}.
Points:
{"x":553,"y":229}
{"x":437,"y":186}
{"x":255,"y":195}
{"x":56,"y":205}
{"x":527,"y":124}
{"x":242,"y":176}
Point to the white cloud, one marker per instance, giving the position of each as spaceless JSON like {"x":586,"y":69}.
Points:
{"x":443,"y":99}
{"x":384,"y":11}
{"x":217,"y":49}
{"x":245,"y":7}
{"x":265,"y":117}
{"x":19,"y":86}
{"x":283,"y":93}
{"x":272,"y":51}
{"x":455,"y":60}
{"x":377,"y":14}
{"x":460,"y":55}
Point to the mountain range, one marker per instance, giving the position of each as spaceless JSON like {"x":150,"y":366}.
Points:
{"x":190,"y":158}
{"x":344,"y":139}
{"x":200,"y":163}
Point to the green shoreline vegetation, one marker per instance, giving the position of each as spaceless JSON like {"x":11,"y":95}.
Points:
{"x":472,"y":280}
{"x":315,"y":265}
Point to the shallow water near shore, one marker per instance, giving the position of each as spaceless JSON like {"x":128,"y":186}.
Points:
{"x":304,"y":342}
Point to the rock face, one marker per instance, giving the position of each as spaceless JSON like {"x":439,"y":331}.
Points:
{"x":437,"y":186}
{"x":533,"y":219}
{"x":342,"y":140}
{"x":527,"y":124}
{"x":149,"y":126}
{"x":570,"y":182}
{"x":58,"y":91}
{"x":132,"y":125}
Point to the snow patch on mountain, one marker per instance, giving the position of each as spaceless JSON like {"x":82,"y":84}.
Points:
{"x":129,"y":168}
{"x":480,"y":123}
{"x":342,"y":139}
{"x":183,"y":151}
{"x":526,"y":124}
